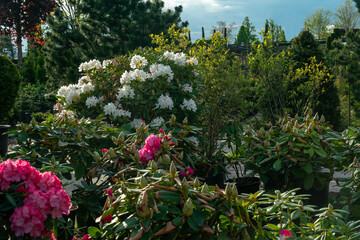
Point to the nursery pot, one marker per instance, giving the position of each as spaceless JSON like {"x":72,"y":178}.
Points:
{"x":246,"y":184}
{"x":4,"y":140}
{"x":319,"y":197}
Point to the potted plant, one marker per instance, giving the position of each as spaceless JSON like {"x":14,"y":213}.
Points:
{"x":9,"y":81}
{"x":245,"y":183}
{"x":293,"y":152}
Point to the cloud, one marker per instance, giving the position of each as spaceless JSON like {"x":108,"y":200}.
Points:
{"x":205,"y":5}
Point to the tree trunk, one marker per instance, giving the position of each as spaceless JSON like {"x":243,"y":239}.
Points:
{"x":18,"y":42}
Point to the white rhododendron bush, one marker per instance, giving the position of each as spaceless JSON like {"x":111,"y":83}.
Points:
{"x":146,"y":86}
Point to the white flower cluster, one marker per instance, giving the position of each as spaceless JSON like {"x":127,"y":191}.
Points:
{"x":136,"y":122}
{"x":125,"y":92}
{"x":187,"y":88}
{"x":111,"y":110}
{"x":91,"y":101}
{"x":165,"y":102}
{"x":194,"y":140}
{"x":189,"y":105}
{"x":138,"y":62}
{"x":86,"y":66}
{"x":106,"y":63}
{"x":158,"y":70}
{"x":192,"y":61}
{"x":178,"y":58}
{"x":158,"y":121}
{"x":66,"y":114}
{"x":84,"y":80}
{"x":72,"y":92}
{"x":136,"y":74}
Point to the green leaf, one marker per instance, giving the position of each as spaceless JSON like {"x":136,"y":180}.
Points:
{"x":79,"y":172}
{"x":295,"y":214}
{"x":63,"y":144}
{"x":273,"y":227}
{"x":10,"y":199}
{"x":308,"y":181}
{"x":277,"y":165}
{"x":320,"y":152}
{"x":170,"y":197}
{"x":308,"y":168}
{"x":311,"y":152}
{"x":94,"y":232}
{"x":192,"y":222}
{"x":128,"y":223}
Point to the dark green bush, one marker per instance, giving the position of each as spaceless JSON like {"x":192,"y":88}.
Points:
{"x":9,"y":81}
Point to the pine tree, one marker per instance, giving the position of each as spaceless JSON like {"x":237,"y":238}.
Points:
{"x":86,"y":29}
{"x":242,"y":36}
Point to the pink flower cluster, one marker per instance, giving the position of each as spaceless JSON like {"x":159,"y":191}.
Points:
{"x":188,"y":172}
{"x":43,"y":196}
{"x":154,"y":144}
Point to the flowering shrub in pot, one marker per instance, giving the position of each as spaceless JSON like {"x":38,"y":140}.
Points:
{"x":145,"y":86}
{"x":30,"y":200}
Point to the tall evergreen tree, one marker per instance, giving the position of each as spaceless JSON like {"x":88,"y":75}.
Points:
{"x":357,"y":4}
{"x":85,"y":29}
{"x":250,"y":29}
{"x":242,"y":36}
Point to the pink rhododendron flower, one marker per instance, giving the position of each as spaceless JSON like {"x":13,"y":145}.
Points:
{"x":188,"y":172}
{"x":161,"y":131}
{"x":106,"y":219}
{"x":171,"y":144}
{"x":104,"y":150}
{"x":109,"y":192}
{"x":145,"y":155}
{"x":284,"y":233}
{"x":87,"y":237}
{"x":152,"y":142}
{"x":43,"y":196}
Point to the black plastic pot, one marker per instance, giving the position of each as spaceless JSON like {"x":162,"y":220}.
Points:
{"x":4,"y":140}
{"x":319,"y":197}
{"x":246,"y":184}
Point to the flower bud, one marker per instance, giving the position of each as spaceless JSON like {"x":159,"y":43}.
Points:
{"x":188,"y":208}
{"x":33,"y":154}
{"x":33,"y":122}
{"x":184,"y":184}
{"x":185,"y":121}
{"x":173,"y":118}
{"x":181,"y":156}
{"x":153,"y":166}
{"x":166,"y":159}
{"x":196,"y":182}
{"x":153,"y":92}
{"x":121,"y":137}
{"x":97,"y":156}
{"x":137,"y":156}
{"x":143,"y":183}
{"x":322,"y":119}
{"x":205,"y":189}
{"x":228,"y":191}
{"x":234,"y":191}
{"x":173,"y":169}
{"x":277,"y":147}
{"x":266,"y":144}
{"x":143,"y":210}
{"x":78,"y":136}
{"x":112,"y":153}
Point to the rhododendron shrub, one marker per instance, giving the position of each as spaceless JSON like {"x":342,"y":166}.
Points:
{"x":145,"y":86}
{"x":29,"y":198}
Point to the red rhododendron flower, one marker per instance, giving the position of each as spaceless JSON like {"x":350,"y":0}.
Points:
{"x":188,"y":172}
{"x":106,"y":219}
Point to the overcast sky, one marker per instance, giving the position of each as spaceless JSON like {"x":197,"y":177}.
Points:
{"x":290,"y":14}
